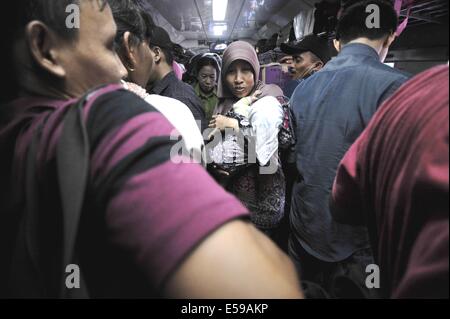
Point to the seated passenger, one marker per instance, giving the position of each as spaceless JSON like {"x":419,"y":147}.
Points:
{"x":394,"y":180}
{"x":148,"y":227}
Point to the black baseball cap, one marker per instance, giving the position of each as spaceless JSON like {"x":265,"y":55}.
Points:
{"x":160,"y":37}
{"x":310,"y":43}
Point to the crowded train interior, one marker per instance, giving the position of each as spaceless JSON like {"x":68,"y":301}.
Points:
{"x":224,"y":149}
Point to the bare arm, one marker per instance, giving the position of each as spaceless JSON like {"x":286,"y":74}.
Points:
{"x":235,"y":262}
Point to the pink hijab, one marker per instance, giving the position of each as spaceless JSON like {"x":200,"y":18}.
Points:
{"x":178,"y":70}
{"x":241,"y":50}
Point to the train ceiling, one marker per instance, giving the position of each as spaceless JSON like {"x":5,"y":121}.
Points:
{"x":259,"y":19}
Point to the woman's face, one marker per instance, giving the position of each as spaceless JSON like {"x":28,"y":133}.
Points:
{"x":240,"y":79}
{"x":207,"y":78}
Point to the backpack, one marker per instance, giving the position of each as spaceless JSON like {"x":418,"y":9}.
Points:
{"x":286,"y":136}
{"x":26,"y":279}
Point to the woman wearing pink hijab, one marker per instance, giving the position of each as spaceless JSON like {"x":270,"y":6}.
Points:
{"x":247,"y":161}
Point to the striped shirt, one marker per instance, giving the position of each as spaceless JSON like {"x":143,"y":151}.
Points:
{"x":140,"y":224}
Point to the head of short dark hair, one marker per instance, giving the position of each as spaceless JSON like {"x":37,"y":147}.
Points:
{"x":151,"y":27}
{"x":52,"y":13}
{"x":352,"y":23}
{"x":160,"y":38}
{"x":149,"y":23}
{"x":169,"y":55}
{"x":205,"y":61}
{"x":128,"y":18}
{"x":18,"y":15}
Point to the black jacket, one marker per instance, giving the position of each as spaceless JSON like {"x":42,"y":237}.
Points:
{"x":171,"y":86}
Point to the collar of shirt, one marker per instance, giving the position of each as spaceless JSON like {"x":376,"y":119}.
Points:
{"x":162,"y":84}
{"x":202,"y":94}
{"x":359,"y":49}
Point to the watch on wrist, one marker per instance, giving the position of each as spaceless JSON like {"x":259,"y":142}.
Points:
{"x":243,"y":122}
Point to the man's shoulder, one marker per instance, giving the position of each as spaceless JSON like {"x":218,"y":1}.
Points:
{"x":184,"y":87}
{"x":118,"y":104}
{"x":374,"y":70}
{"x":165,"y":102}
{"x":112,"y":100}
{"x":121,"y":110}
{"x":389,"y":73}
{"x":185,"y":93}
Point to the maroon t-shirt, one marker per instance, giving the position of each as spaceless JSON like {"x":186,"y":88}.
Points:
{"x":395,"y":179}
{"x":155,"y":211}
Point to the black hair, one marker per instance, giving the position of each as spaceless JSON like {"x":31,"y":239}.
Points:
{"x":128,"y":18}
{"x":352,"y":22}
{"x":149,"y":24}
{"x":150,"y":27}
{"x":205,"y":61}
{"x":13,"y":22}
{"x":167,"y":53}
{"x":52,"y":13}
{"x":182,"y":55}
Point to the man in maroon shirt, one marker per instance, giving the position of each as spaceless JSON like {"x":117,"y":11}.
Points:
{"x":165,"y":229}
{"x":394,"y":179}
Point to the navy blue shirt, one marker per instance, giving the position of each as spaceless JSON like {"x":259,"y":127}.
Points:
{"x":331,"y":110}
{"x":290,"y":87}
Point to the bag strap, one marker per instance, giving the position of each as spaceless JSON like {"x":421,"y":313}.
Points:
{"x":73,"y":167}
{"x":72,"y":163}
{"x":73,"y":156}
{"x":33,"y":278}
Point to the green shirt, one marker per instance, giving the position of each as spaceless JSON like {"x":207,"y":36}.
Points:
{"x":209,"y":101}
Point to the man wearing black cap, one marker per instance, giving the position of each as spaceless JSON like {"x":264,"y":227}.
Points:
{"x":310,"y":55}
{"x":163,"y":80}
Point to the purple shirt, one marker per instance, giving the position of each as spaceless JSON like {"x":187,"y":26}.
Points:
{"x":156,"y":212}
{"x":395,"y":179}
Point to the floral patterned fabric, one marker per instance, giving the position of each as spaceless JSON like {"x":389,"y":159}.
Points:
{"x":263,"y":194}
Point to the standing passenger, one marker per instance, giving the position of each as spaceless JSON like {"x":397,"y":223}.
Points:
{"x":260,"y":121}
{"x":132,"y":41}
{"x":331,"y":109}
{"x":309,"y":55}
{"x":163,"y":80}
{"x":207,"y":73}
{"x":149,"y":226}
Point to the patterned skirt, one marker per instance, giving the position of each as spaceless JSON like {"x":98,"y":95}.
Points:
{"x":263,"y":195}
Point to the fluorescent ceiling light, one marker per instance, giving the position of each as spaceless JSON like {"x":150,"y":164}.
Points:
{"x":220,"y":10}
{"x":219,"y":29}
